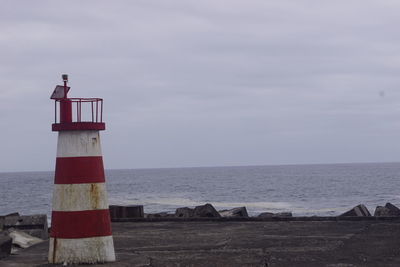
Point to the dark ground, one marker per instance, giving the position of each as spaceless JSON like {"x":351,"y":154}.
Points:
{"x":245,"y":243}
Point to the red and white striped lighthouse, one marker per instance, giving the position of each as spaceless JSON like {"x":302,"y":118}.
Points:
{"x":80,"y":220}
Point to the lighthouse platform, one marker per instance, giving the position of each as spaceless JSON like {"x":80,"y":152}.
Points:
{"x":245,"y":243}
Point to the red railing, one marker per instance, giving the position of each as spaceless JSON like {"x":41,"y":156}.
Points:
{"x":89,"y":105}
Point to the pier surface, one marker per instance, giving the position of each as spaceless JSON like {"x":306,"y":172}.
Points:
{"x":245,"y":243}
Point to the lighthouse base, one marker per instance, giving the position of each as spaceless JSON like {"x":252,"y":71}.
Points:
{"x":83,"y":250}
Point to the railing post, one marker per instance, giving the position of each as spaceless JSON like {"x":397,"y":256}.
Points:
{"x":101,"y":112}
{"x":92,"y":111}
{"x":77,"y":112}
{"x":80,"y":110}
{"x":97,"y":111}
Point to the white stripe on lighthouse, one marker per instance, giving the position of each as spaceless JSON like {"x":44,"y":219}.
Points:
{"x":78,"y":144}
{"x":78,"y":197}
{"x":87,"y":250}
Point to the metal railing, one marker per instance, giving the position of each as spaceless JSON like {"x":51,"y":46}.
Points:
{"x":95,"y":105}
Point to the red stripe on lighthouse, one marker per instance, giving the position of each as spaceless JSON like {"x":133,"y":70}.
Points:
{"x":79,"y":170}
{"x":80,"y":224}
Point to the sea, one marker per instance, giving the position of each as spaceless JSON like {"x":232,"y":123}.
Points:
{"x":304,"y":190}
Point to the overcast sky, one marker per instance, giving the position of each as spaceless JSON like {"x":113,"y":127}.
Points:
{"x":205,"y":83}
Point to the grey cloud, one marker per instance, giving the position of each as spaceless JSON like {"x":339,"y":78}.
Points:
{"x":194,"y":83}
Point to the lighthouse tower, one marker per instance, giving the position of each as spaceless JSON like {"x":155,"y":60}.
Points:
{"x":80,"y":220}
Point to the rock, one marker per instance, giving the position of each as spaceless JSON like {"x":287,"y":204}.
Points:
{"x":22,"y":239}
{"x":275,"y":215}
{"x":206,"y":210}
{"x":124,"y":212}
{"x":184,"y":212}
{"x":35,"y":225}
{"x":357,"y":211}
{"x":159,"y":215}
{"x":389,"y":210}
{"x":5,"y":245}
{"x":234,"y":213}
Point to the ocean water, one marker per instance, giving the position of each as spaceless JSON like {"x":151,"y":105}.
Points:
{"x":322,"y":190}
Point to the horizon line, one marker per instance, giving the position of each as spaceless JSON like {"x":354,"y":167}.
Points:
{"x":229,"y":166}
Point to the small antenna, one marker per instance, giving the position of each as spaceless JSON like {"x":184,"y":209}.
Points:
{"x":65,"y":79}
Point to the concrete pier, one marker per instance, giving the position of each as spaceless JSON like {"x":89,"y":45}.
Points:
{"x":330,"y":243}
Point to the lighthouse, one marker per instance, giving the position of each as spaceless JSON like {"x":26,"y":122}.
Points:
{"x":80,"y":219}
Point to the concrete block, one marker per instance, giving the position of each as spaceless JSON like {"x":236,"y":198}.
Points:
{"x":389,"y":210}
{"x":134,"y":211}
{"x":23,"y":240}
{"x":2,"y":219}
{"x":184,"y":212}
{"x":121,"y":212}
{"x":275,"y":215}
{"x":159,"y":215}
{"x":283,"y":214}
{"x":12,"y":214}
{"x":5,"y":245}
{"x":206,"y":210}
{"x":115,"y":211}
{"x":35,"y":225}
{"x":266,"y":215}
{"x":357,"y":211}
{"x":240,"y":212}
